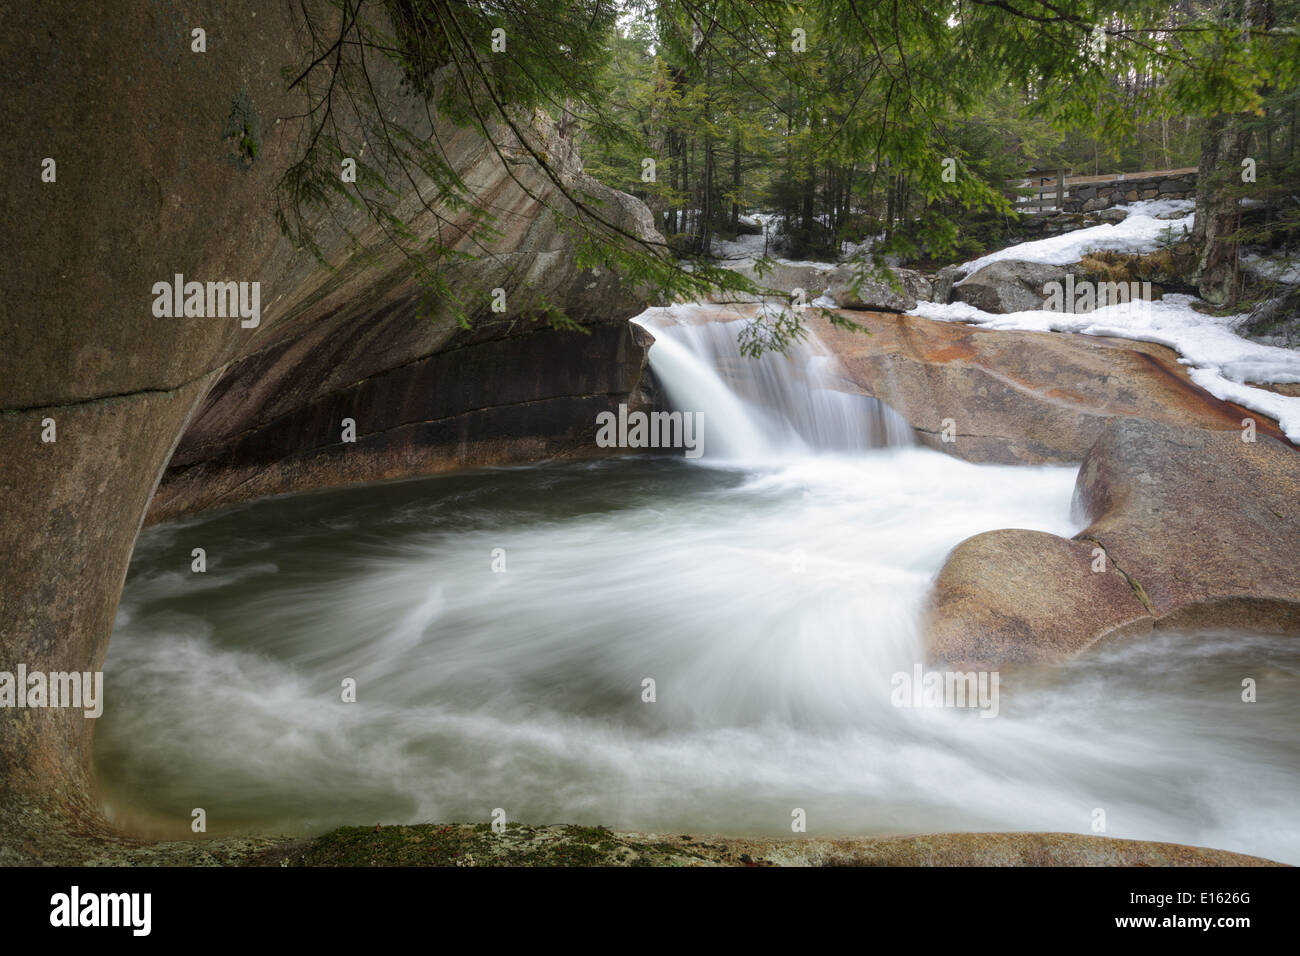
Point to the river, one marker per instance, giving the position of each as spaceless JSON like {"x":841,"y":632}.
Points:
{"x":501,"y":626}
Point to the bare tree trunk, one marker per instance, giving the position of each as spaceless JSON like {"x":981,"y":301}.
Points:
{"x":568,"y":122}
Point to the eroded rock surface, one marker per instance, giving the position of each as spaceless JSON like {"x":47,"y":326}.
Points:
{"x":1016,"y":596}
{"x":1197,"y":529}
{"x":1018,"y":397}
{"x":1206,"y":524}
{"x":1013,"y":397}
{"x":491,"y":398}
{"x":864,"y":292}
{"x":150,"y":185}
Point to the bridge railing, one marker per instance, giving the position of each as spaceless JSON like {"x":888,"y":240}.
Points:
{"x":1047,"y":189}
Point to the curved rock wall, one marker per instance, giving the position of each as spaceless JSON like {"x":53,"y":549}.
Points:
{"x":149,"y":184}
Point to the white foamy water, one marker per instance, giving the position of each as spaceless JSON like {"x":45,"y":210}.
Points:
{"x":770,"y":596}
{"x":779,"y":406}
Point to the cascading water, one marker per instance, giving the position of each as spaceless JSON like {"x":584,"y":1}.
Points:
{"x":779,"y":405}
{"x":501,"y":626}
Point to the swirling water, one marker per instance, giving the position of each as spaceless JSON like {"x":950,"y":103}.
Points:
{"x":500,"y":626}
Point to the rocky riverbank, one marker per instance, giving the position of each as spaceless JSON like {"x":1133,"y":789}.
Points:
{"x":1194,"y":519}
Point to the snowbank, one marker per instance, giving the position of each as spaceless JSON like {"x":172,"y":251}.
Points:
{"x":1218,"y":360}
{"x":1276,"y":269}
{"x":1139,"y":232}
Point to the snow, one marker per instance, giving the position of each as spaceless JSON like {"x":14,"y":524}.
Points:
{"x":1277,"y":269}
{"x":1139,"y":232}
{"x":1219,"y":360}
{"x":743,"y":251}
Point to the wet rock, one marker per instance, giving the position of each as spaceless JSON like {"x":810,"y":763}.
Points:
{"x":782,"y":279}
{"x":1207,"y":525}
{"x":1015,"y":596}
{"x":1197,"y":529}
{"x":1016,"y":397}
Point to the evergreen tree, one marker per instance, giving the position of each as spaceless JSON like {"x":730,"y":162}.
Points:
{"x":847,"y":118}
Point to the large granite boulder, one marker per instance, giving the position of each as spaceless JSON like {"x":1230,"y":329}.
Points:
{"x":1016,"y":397}
{"x":844,"y":283}
{"x":851,"y":288}
{"x":1206,"y":525}
{"x":781,"y":280}
{"x":1016,"y":596}
{"x":1010,"y":285}
{"x":941,"y":285}
{"x":1190,"y":529}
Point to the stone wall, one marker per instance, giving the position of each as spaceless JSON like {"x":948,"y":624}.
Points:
{"x":1089,"y":197}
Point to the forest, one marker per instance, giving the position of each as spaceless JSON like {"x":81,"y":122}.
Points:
{"x":908,"y":120}
{"x":898,"y":131}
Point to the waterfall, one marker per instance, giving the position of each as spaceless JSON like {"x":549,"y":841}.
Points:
{"x":771,"y":605}
{"x":775,"y":406}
